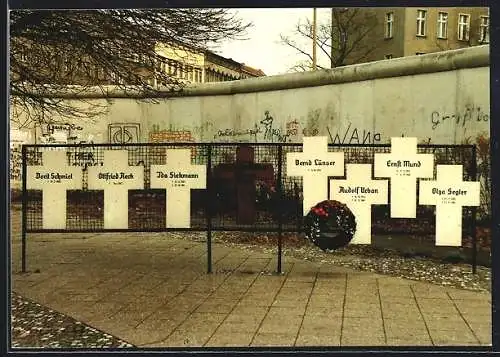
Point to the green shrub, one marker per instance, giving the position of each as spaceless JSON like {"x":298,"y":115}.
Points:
{"x":454,"y":257}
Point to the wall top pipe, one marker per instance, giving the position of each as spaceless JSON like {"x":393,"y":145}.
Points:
{"x":471,"y":57}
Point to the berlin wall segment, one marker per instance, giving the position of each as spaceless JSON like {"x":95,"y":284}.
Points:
{"x":417,"y":101}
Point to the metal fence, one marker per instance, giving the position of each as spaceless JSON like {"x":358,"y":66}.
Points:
{"x":247,"y":189}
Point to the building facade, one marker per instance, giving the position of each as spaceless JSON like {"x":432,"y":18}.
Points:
{"x":409,"y":31}
{"x":221,"y":69}
{"x":182,"y":63}
{"x":197,"y":66}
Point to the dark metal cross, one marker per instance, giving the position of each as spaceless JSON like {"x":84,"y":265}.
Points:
{"x":241,"y":176}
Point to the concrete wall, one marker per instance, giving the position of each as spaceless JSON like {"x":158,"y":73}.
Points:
{"x":440,"y":98}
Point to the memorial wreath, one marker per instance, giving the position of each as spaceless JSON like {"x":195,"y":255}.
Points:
{"x":330,"y":225}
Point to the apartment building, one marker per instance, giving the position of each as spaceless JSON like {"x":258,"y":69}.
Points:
{"x":198,"y":66}
{"x":174,"y":60}
{"x":409,"y":31}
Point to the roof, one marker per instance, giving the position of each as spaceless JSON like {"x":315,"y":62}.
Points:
{"x":222,"y":60}
{"x":252,"y":71}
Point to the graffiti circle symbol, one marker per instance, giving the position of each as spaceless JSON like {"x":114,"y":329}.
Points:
{"x":122,"y":137}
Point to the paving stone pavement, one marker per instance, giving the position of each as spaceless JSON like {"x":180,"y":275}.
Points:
{"x":152,"y":290}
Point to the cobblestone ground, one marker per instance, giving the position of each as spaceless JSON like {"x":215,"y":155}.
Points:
{"x":152,"y":290}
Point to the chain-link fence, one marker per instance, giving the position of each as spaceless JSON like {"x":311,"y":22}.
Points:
{"x":248,"y":188}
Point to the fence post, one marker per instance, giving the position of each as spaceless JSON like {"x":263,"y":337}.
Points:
{"x":474,"y":215}
{"x":24,"y":199}
{"x":209,"y":208}
{"x":279,"y":190}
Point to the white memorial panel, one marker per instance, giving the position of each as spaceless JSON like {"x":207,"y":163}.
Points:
{"x":403,"y":166}
{"x":359,"y":192}
{"x":449,"y":193}
{"x":54,"y":177}
{"x":315,"y":164}
{"x":178,"y":177}
{"x":115,"y":177}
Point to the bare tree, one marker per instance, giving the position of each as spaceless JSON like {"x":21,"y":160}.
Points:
{"x":51,"y":51}
{"x":303,"y":66}
{"x":341,"y":40}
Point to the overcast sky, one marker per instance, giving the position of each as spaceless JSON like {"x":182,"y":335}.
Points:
{"x":263,"y":49}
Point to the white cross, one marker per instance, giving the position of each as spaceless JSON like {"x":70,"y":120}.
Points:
{"x":403,"y":165}
{"x":54,"y":178}
{"x":359,"y":192}
{"x":178,"y":177}
{"x":315,"y":164}
{"x":449,"y":193}
{"x":115,"y":177}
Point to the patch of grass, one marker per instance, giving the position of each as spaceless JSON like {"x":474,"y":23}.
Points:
{"x":454,"y":257}
{"x":413,"y":253}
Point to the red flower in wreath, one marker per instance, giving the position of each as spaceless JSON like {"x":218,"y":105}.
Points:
{"x":330,"y":225}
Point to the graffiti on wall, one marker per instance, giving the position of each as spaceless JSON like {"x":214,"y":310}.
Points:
{"x":200,"y":131}
{"x":16,"y":139}
{"x":19,"y":137}
{"x":263,"y":129}
{"x":15,"y":162}
{"x":354,"y":135}
{"x":268,"y":126}
{"x":471,"y":113}
{"x":234,"y":133}
{"x":293,"y":129}
{"x":313,"y":122}
{"x":171,"y":136}
{"x":82,"y":158}
{"x":69,"y":127}
{"x":267,"y":131}
{"x":124,"y":133}
{"x":60,"y":133}
{"x":271,"y":133}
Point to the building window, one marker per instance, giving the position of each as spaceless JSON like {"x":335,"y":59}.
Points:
{"x":442,"y":31}
{"x":421,"y":17}
{"x":484,"y":30}
{"x":151,"y":81}
{"x":141,"y":59}
{"x":389,"y":24}
{"x":97,"y":74}
{"x":463,"y":27}
{"x":388,"y":56}
{"x":67,"y":65}
{"x":115,"y":78}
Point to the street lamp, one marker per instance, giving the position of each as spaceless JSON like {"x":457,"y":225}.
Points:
{"x":314,"y":39}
